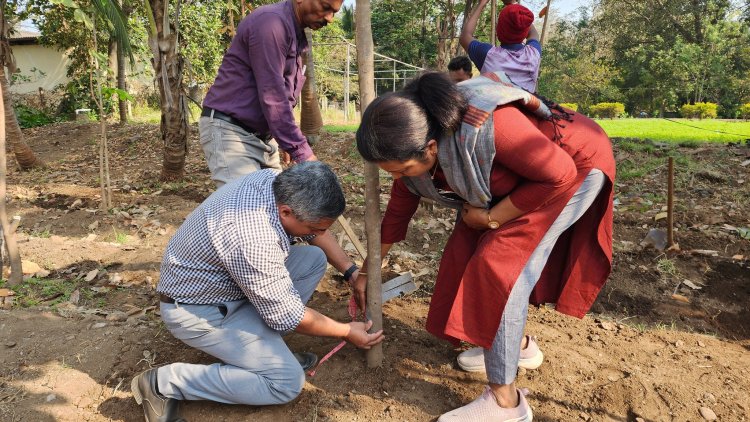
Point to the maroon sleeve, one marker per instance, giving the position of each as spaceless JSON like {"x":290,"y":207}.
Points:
{"x":401,"y":208}
{"x":524,"y":149}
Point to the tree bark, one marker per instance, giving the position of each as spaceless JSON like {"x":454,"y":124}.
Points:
{"x":168,"y":66}
{"x":24,"y":155}
{"x":9,"y":235}
{"x":122,"y":84}
{"x":112,"y":61}
{"x":467,"y":11}
{"x":366,"y":66}
{"x":311,"y":120}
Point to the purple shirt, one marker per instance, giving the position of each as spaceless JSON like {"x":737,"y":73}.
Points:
{"x":519,"y":61}
{"x":262,"y":75}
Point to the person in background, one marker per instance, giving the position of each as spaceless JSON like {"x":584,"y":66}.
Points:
{"x":534,"y":186}
{"x":519,"y":60}
{"x":232,"y":283}
{"x":247,"y":112}
{"x":459,"y":69}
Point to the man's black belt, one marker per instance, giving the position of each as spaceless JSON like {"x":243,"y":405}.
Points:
{"x":216,"y":114}
{"x":166,"y":299}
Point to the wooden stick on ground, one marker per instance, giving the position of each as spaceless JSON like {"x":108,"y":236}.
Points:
{"x":670,"y":204}
{"x":352,"y":236}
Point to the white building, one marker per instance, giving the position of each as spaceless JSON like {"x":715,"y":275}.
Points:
{"x":38,"y":65}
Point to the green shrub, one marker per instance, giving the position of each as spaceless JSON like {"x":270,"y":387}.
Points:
{"x":607,"y":110}
{"x":699,"y":111}
{"x":32,"y":117}
{"x":572,"y":106}
{"x":745,"y":111}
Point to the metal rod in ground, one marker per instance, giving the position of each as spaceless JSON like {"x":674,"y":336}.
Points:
{"x":670,"y":204}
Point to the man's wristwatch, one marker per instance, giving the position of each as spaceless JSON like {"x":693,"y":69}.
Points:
{"x":350,"y":272}
{"x":492,"y":224}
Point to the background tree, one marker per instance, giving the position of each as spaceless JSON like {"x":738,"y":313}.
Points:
{"x":9,"y":236}
{"x":311,"y":121}
{"x":662,"y":54}
{"x":163,"y":39}
{"x":25,"y":157}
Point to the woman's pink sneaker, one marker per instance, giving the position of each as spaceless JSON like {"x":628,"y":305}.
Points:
{"x":486,"y":409}
{"x":531,"y":357}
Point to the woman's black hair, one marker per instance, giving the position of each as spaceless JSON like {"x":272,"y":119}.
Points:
{"x":397,"y":126}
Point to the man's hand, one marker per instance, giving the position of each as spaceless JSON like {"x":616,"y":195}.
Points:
{"x":286,"y":159}
{"x":474,"y":217}
{"x":359,"y":289}
{"x":359,"y":336}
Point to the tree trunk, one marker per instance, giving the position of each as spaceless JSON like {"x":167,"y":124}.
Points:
{"x":24,"y":155}
{"x":96,"y":92}
{"x":467,"y":11}
{"x":366,"y":66}
{"x":168,"y":66}
{"x":113,"y":60}
{"x":9,"y":235}
{"x":311,"y":120}
{"x":122,"y":84}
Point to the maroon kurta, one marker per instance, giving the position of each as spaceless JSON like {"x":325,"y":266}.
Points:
{"x":479,"y":267}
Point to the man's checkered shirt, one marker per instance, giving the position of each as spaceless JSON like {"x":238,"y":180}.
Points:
{"x":233,"y":247}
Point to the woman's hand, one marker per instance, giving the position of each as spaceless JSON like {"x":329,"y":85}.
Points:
{"x":359,"y":336}
{"x":359,"y":287}
{"x":474,"y":217}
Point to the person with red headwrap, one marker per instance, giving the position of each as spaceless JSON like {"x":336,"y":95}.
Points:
{"x":519,"y":60}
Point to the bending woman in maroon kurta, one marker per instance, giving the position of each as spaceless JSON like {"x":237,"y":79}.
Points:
{"x":545,"y":236}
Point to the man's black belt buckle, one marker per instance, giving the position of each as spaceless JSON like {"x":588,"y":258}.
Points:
{"x":216,"y":114}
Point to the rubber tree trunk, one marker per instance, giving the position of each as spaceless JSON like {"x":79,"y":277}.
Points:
{"x":24,"y":155}
{"x":122,"y":84}
{"x":168,"y":68}
{"x":366,"y":67}
{"x":311,"y":120}
{"x":16,"y":275}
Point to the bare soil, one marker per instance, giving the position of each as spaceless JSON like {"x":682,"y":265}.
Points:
{"x":653,"y":347}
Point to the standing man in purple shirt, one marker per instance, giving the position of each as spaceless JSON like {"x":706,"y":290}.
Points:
{"x":247,"y":113}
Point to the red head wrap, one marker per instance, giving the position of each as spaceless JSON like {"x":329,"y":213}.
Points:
{"x":514,"y":23}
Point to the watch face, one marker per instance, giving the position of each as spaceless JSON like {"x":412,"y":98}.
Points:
{"x":494,"y":225}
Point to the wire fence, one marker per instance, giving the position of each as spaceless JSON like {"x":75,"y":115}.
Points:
{"x":390,"y":73}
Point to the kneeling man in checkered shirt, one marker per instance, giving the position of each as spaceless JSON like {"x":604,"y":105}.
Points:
{"x":232,"y":284}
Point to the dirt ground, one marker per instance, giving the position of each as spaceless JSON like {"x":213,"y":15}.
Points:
{"x":667,"y":340}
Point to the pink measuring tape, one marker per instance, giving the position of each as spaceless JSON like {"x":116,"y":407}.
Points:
{"x":353,"y":314}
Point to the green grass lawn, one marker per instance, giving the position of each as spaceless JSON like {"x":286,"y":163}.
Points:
{"x":662,"y":130}
{"x":677,"y":130}
{"x":144,"y":114}
{"x":341,"y":128}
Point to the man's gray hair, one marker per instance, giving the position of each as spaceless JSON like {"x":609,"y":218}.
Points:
{"x":311,"y":190}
